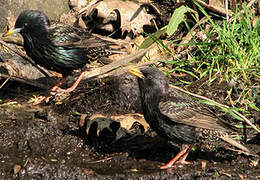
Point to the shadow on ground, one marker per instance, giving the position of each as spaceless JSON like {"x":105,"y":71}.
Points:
{"x":47,"y":142}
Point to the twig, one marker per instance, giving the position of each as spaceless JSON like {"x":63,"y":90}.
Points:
{"x":24,"y":57}
{"x":188,"y":37}
{"x":25,"y":81}
{"x":91,"y":3}
{"x":122,"y":70}
{"x":226,"y":5}
{"x":223,"y":11}
{"x":99,"y":72}
{"x":250,"y":3}
{"x":4,"y":82}
{"x":242,"y":11}
{"x":221,"y":105}
{"x":213,"y":8}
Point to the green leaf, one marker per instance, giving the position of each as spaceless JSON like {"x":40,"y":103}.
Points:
{"x":152,"y":38}
{"x":229,"y":110}
{"x":253,"y":106}
{"x":177,"y":18}
{"x":211,"y":103}
{"x":77,"y":113}
{"x":185,"y":71}
{"x":185,"y":82}
{"x":217,"y":173}
{"x":241,"y":126}
{"x":194,"y":148}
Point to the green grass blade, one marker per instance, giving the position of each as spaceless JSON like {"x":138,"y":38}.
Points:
{"x":152,"y":38}
{"x":177,"y":18}
{"x":253,"y":106}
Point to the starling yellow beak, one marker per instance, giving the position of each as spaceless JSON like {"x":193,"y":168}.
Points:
{"x":12,"y":31}
{"x":136,"y":72}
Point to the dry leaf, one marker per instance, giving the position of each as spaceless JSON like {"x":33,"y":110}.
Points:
{"x":17,"y":169}
{"x":127,"y":120}
{"x":217,"y":3}
{"x":131,"y":15}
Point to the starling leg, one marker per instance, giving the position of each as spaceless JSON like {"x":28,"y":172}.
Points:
{"x":56,"y":90}
{"x":182,"y":160}
{"x":47,"y":97}
{"x":183,"y":153}
{"x":62,"y":91}
{"x":76,"y":83}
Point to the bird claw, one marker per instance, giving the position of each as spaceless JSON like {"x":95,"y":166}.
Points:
{"x":42,"y":99}
{"x":58,"y":92}
{"x":46,"y":99}
{"x":179,"y":163}
{"x":183,"y":162}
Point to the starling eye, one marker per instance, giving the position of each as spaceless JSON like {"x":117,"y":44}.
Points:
{"x":149,"y":77}
{"x":61,"y":47}
{"x":146,"y":75}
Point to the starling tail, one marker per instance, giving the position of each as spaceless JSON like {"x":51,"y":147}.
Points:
{"x":58,"y":47}
{"x":179,"y":118}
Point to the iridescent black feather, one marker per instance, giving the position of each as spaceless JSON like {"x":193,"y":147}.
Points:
{"x":177,"y":117}
{"x":60,"y":48}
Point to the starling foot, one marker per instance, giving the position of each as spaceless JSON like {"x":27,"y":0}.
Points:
{"x":175,"y":115}
{"x":183,"y":154}
{"x":57,"y":91}
{"x":59,"y":47}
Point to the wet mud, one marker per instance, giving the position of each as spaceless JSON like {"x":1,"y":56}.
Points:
{"x":53,"y":141}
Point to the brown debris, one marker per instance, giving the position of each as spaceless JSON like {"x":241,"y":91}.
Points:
{"x":112,"y":15}
{"x":126,"y":120}
{"x":17,"y":169}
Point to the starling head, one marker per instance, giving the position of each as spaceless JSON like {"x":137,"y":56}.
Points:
{"x":151,"y":79}
{"x":30,"y":22}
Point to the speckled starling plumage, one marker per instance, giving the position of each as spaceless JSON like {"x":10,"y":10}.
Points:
{"x":177,"y":117}
{"x":58,"y":47}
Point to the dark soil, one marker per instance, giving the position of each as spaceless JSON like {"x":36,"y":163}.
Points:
{"x":46,"y":142}
{"x":50,"y":141}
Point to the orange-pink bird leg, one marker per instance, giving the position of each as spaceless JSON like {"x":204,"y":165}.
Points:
{"x":56,"y":88}
{"x":76,"y":83}
{"x":183,"y":153}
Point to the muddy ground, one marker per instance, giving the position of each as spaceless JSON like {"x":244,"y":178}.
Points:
{"x":51,"y":142}
{"x":57,"y":140}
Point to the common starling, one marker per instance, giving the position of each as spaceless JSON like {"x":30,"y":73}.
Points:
{"x":179,"y":118}
{"x":59,"y":48}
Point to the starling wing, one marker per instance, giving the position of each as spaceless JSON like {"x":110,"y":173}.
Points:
{"x":75,"y":47}
{"x":183,"y":109}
